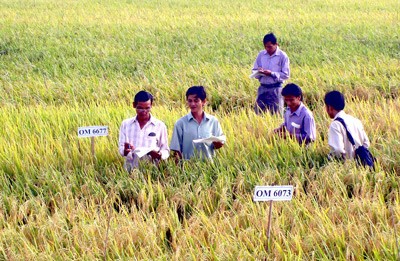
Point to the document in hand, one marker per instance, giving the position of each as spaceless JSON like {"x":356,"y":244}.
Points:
{"x":141,"y":151}
{"x":295,"y":125}
{"x":211,"y":139}
{"x":256,"y":73}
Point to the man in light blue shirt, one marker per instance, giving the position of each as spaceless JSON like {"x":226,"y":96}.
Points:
{"x":272,"y":65}
{"x":196,"y":125}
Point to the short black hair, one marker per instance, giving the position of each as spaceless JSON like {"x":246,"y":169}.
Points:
{"x":143,"y":96}
{"x":335,"y":99}
{"x":292,"y":89}
{"x":269,"y":38}
{"x":199,"y":91}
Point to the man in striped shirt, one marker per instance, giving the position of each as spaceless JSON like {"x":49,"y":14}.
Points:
{"x":143,"y":134}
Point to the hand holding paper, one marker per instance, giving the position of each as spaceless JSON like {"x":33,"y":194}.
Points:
{"x":256,"y":73}
{"x":211,"y":139}
{"x":218,"y":144}
{"x":155,"y":154}
{"x":141,"y":151}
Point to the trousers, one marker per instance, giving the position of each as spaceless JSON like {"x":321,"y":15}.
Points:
{"x":269,"y":98}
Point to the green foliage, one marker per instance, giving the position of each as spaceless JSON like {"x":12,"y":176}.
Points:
{"x":79,"y":63}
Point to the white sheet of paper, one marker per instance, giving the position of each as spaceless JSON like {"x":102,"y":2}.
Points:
{"x":256,"y":73}
{"x":141,"y":151}
{"x":295,"y":125}
{"x":210,"y":140}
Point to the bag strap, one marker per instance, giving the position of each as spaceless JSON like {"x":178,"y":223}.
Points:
{"x":347,"y":131}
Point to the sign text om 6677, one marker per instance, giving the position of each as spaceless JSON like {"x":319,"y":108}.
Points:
{"x":92,"y":131}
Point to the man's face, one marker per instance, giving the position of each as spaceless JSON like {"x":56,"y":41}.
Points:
{"x":270,"y":47}
{"x":143,"y":109}
{"x":329,"y":110}
{"x":293,"y":102}
{"x":195,"y":104}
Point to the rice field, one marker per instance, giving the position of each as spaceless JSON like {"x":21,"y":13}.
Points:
{"x":69,"y":64}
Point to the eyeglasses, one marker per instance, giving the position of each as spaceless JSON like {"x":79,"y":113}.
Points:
{"x":143,"y":109}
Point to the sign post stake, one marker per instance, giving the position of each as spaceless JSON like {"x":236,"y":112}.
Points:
{"x":92,"y":145}
{"x":269,"y":225}
{"x":92,"y":131}
{"x":272,"y":193}
{"x":395,"y":234}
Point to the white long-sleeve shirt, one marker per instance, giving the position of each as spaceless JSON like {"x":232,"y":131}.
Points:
{"x":337,"y":136}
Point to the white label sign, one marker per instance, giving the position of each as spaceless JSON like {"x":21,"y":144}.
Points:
{"x":275,"y":193}
{"x":92,"y":131}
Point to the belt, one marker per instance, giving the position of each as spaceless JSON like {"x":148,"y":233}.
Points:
{"x":272,"y":85}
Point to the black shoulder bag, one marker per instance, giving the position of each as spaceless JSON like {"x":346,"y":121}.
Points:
{"x":362,"y":154}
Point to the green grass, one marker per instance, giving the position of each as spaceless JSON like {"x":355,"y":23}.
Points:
{"x":79,"y":63}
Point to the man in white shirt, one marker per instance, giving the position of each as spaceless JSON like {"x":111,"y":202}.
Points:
{"x":143,"y":134}
{"x":338,"y":141}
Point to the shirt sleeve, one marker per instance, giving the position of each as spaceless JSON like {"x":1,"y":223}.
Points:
{"x":335,"y":140}
{"x":122,"y":139}
{"x":217,"y":129}
{"x":256,"y":65}
{"x":285,"y":120}
{"x":284,"y":74}
{"x":163,"y":143}
{"x":364,"y":137}
{"x":308,"y":130}
{"x":177,"y":138}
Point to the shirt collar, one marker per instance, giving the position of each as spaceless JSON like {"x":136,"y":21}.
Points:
{"x":151,"y":121}
{"x":340,"y":114}
{"x":297,"y":112}
{"x":189,"y":116}
{"x":277,"y":52}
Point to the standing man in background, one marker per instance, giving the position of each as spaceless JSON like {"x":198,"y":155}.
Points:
{"x":271,"y":68}
{"x":143,"y":133}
